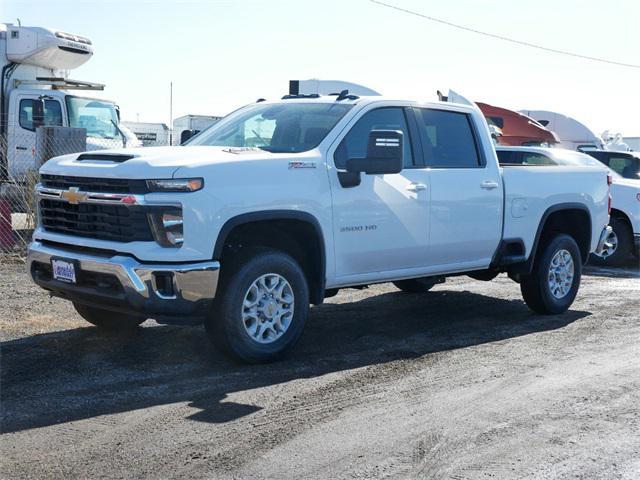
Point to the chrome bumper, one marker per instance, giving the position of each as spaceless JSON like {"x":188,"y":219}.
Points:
{"x":602,"y":242}
{"x":121,"y":283}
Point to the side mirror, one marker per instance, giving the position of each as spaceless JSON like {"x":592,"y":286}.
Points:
{"x":37,"y":112}
{"x":384,"y":154}
{"x":187,"y":134}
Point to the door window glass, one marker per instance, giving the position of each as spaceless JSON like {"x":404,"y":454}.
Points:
{"x":52,"y":114}
{"x":354,"y":144}
{"x":448,"y":139}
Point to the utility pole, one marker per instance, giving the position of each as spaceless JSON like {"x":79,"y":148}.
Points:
{"x":171,"y":113}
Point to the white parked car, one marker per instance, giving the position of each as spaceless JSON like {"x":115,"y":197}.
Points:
{"x":282,"y":203}
{"x":624,"y":240}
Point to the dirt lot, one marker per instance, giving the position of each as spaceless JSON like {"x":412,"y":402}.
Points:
{"x":461,"y":382}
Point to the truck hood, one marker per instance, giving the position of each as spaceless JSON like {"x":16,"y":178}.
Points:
{"x":148,"y":162}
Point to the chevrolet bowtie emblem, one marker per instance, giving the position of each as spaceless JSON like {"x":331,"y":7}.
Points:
{"x":74,"y":195}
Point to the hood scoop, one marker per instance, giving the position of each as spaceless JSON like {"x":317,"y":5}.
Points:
{"x":105,"y":157}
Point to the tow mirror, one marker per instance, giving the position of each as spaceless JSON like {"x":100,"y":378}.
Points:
{"x":384,"y":154}
{"x":187,"y":134}
{"x":37,"y":112}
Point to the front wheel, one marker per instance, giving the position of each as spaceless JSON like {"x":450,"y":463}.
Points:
{"x":553,"y":284}
{"x":106,"y":319}
{"x":261,"y":308}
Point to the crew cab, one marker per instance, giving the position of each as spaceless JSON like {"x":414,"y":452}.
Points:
{"x":282,"y":203}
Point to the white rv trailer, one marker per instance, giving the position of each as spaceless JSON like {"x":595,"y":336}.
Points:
{"x":36,"y":91}
{"x":571,"y":133}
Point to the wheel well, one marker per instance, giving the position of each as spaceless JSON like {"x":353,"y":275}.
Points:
{"x":620,"y":215}
{"x":299,"y":238}
{"x":574,"y":222}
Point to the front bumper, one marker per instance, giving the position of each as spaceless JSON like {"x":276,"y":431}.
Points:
{"x":168,"y":293}
{"x":606,"y":231}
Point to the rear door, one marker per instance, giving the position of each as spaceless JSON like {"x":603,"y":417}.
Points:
{"x":466,"y":191}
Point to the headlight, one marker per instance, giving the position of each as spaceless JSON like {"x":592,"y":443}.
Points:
{"x":168,"y":227}
{"x":176,"y":185}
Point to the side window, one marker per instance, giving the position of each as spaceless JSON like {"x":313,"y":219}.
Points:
{"x":509,"y":157}
{"x":448,"y":139}
{"x":354,"y":144}
{"x":536,"y":159}
{"x":618,"y":164}
{"x":52,"y":114}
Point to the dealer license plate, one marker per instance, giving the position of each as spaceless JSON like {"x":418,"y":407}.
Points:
{"x":63,"y":271}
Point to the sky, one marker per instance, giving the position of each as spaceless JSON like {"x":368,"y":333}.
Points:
{"x":223,"y":54}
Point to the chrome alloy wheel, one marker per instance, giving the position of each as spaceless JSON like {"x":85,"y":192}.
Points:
{"x":611,"y":245}
{"x":267,"y":309}
{"x":561,"y":274}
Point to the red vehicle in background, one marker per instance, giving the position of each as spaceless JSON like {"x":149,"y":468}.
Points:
{"x":517,"y":129}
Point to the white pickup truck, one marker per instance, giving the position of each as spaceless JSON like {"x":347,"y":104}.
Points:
{"x":282,"y":203}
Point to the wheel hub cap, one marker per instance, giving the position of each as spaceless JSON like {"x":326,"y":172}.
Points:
{"x":561,"y":271}
{"x":267,"y":309}
{"x":612,"y":245}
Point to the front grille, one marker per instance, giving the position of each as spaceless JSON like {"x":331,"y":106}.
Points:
{"x":90,"y":184}
{"x":116,"y":223}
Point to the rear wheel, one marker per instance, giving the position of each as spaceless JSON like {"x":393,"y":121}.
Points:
{"x":106,"y":319}
{"x":261,"y":308}
{"x":620,"y":242}
{"x":553,"y":284}
{"x":415,"y":285}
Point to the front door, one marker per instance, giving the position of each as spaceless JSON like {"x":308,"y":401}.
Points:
{"x":382,"y":224}
{"x":21,"y":140}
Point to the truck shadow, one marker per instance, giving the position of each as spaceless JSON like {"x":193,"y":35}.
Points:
{"x":78,"y":374}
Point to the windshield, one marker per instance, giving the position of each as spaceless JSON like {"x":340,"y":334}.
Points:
{"x":96,"y":116}
{"x":279,"y":128}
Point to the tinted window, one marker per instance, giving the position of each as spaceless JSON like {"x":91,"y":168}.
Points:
{"x":279,"y":128}
{"x":354,"y":144}
{"x":52,"y":114}
{"x":448,"y":139}
{"x":509,"y":157}
{"x":536,"y":159}
{"x":496,"y":121}
{"x":627,"y":166}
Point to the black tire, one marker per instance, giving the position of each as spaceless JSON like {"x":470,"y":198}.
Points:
{"x":414,"y":285}
{"x":224,"y":323}
{"x":108,"y":320}
{"x":535,"y":287}
{"x":624,"y":248}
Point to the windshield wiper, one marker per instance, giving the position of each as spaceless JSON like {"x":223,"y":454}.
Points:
{"x":124,"y":139}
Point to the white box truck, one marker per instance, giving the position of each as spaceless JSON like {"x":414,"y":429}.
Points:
{"x":36,"y":90}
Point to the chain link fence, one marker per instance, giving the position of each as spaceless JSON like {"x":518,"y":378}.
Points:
{"x":21,"y":155}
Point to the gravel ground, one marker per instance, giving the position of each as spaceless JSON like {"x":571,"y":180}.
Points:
{"x":462,"y":382}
